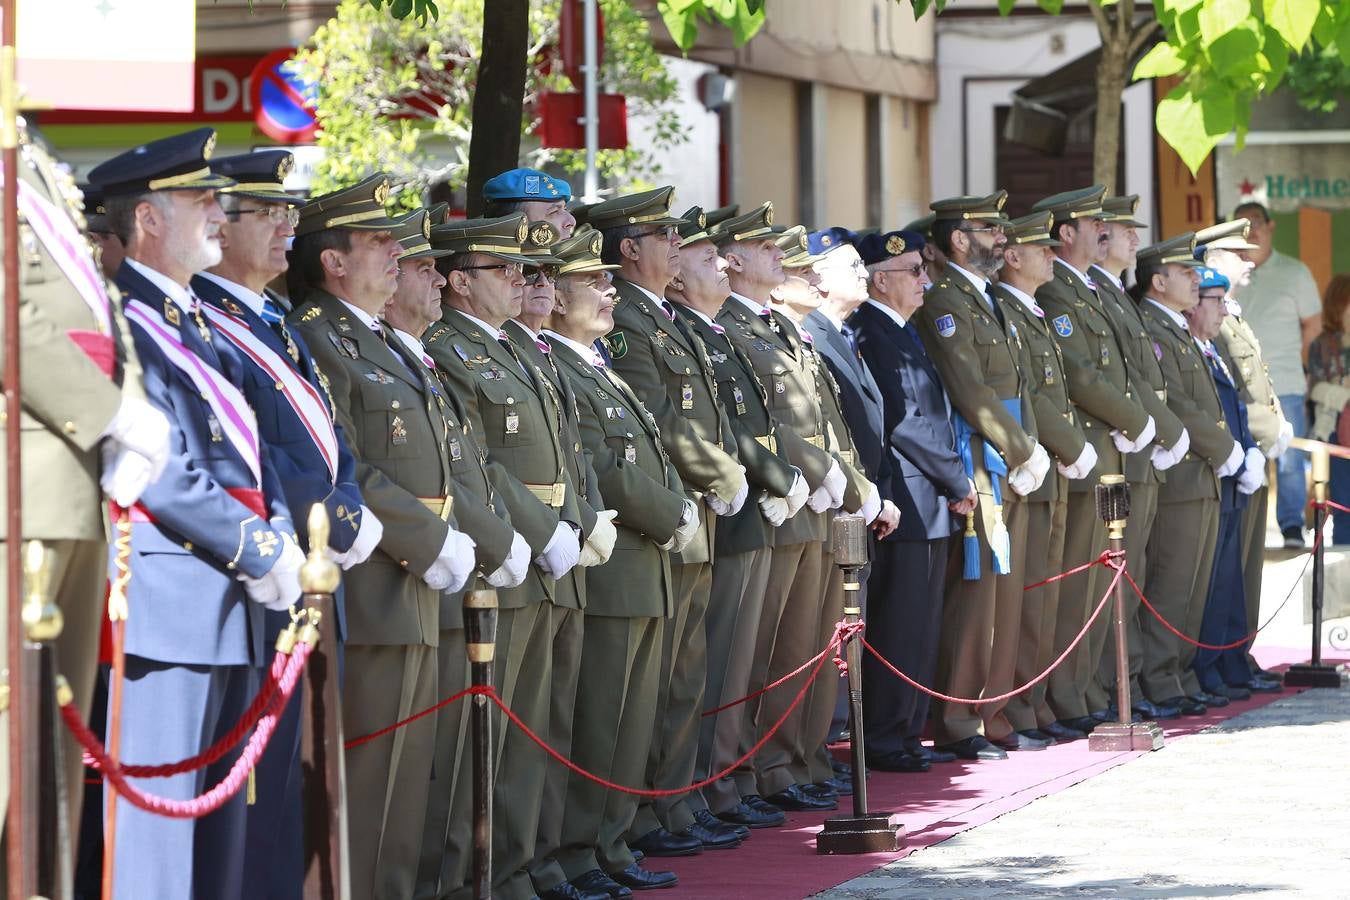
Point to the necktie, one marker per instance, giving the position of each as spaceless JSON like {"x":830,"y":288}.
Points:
{"x":847,"y":331}
{"x":914,"y":339}
{"x":506,"y":343}
{"x":603,"y":352}
{"x":271,"y":313}
{"x":668,"y":310}
{"x":542,"y":345}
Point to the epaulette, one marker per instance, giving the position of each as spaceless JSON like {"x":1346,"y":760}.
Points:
{"x":310,"y":314}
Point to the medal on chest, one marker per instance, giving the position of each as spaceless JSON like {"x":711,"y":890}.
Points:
{"x":512,"y":423}
{"x":739,"y":397}
{"x":686,"y":396}
{"x":398,"y":432}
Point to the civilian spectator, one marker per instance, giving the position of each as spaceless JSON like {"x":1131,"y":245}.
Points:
{"x":1329,"y":390}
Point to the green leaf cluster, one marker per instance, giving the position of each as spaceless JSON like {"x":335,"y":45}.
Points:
{"x":1228,"y":53}
{"x":394,"y":93}
{"x":743,"y":18}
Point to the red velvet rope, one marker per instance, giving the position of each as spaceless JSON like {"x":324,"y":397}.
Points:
{"x":1112,"y":559}
{"x":219,"y":794}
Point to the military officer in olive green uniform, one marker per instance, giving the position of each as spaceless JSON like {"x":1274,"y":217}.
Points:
{"x":1111,"y":413}
{"x":1143,"y":473}
{"x":400,"y":429}
{"x":500,"y":551}
{"x":518,"y":415}
{"x":668,"y":370}
{"x":1181,"y":547}
{"x":782,"y":364}
{"x":82,"y":384}
{"x":1221,"y":246}
{"x":975,"y":348}
{"x":743,"y":542}
{"x":630,"y":599}
{"x":1029,"y":263}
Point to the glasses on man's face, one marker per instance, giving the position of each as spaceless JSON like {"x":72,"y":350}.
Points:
{"x":912,"y":271}
{"x":276,"y":214}
{"x":996,"y":229}
{"x":667,"y":233}
{"x":511,"y":270}
{"x":537,"y":274}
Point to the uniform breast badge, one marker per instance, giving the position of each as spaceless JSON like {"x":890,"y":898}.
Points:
{"x":398,"y":434}
{"x":512,"y":423}
{"x":213,"y":424}
{"x":739,"y":397}
{"x":686,"y":396}
{"x":629,"y":452}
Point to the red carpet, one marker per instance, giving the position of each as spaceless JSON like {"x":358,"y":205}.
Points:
{"x":781,"y":863}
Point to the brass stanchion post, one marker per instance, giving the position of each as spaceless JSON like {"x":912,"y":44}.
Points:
{"x":1113,"y":505}
{"x":480,"y":632}
{"x":862,"y":832}
{"x":1315,"y":673}
{"x":322,"y":768}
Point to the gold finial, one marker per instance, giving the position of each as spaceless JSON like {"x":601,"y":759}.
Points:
{"x":42,"y":619}
{"x":319,"y":574}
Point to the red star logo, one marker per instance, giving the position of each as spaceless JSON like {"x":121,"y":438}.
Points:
{"x":1246,"y":187}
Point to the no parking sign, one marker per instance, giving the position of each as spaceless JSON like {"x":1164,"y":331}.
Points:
{"x":281,"y":99}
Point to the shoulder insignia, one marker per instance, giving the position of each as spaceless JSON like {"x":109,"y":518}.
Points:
{"x":311,"y":314}
{"x":617,"y":344}
{"x":233,"y":308}
{"x":171,"y":312}
{"x":1063,"y":325}
{"x":945,"y":325}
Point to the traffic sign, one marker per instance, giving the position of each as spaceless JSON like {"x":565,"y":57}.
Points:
{"x":282,"y":99}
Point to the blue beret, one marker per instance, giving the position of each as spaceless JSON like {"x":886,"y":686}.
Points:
{"x":1209,"y":278}
{"x":819,"y":242}
{"x":875,"y":248}
{"x":526,"y":184}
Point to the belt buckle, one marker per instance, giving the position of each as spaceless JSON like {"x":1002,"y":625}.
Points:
{"x":559,"y":494}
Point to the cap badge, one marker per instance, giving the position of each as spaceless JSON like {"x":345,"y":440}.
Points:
{"x":596,"y":243}
{"x":542,"y":235}
{"x":895,"y":245}
{"x":826,"y":241}
{"x":426,"y":227}
{"x":210,"y":146}
{"x":522,"y":232}
{"x":531,"y":184}
{"x":382,"y":193}
{"x":702,"y":220}
{"x":768,"y":214}
{"x":285,"y":167}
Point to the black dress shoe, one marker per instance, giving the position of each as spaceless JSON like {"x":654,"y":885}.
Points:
{"x":974,"y":747}
{"x":1155,"y":711}
{"x":1232,"y":692}
{"x":1062,"y":734}
{"x":1102,"y":715}
{"x":1135,"y":716}
{"x":842,"y":787}
{"x":916,"y":747}
{"x":569,"y":891}
{"x":1259,"y":685}
{"x":1187,"y":706}
{"x":714,"y":834}
{"x":755,"y":801}
{"x":820,"y":789}
{"x":1038,"y":735}
{"x":708,"y":820}
{"x":638,"y":855}
{"x":1268,"y":675}
{"x":1019,"y":741}
{"x":639,"y":879}
{"x":897,"y":761}
{"x":842,"y":769}
{"x":745,"y":814}
{"x":1084,"y":724}
{"x":794,"y":798}
{"x":598,"y":883}
{"x":1213,"y":701}
{"x":659,"y":842}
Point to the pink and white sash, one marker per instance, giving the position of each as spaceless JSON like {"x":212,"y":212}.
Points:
{"x":57,"y":231}
{"x":299,"y":393}
{"x":236,"y":418}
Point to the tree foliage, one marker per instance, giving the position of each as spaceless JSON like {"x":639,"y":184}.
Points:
{"x":394,"y":94}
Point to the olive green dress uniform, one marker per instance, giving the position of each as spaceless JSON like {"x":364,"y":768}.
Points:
{"x":782,"y":365}
{"x":667,"y":368}
{"x":1265,"y":416}
{"x":629,"y":600}
{"x":975,"y":351}
{"x":67,"y":403}
{"x":1047,"y":507}
{"x":1100,"y":387}
{"x":743,"y":549}
{"x":519,"y":417}
{"x":399,"y":435}
{"x":1181,"y":547}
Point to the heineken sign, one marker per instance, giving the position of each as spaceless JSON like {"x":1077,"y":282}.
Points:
{"x":1284,"y":176}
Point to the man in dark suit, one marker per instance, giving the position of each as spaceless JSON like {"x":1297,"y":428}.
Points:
{"x":211,"y":539}
{"x":928,"y":485}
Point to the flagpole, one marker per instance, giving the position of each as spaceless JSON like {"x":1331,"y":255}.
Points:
{"x":22,"y":865}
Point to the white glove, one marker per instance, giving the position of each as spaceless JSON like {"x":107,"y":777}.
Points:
{"x":368,"y":535}
{"x":775,"y":510}
{"x":453,"y":565}
{"x":722,"y":507}
{"x":600,"y":542}
{"x":1181,"y":447}
{"x":1081,"y":467}
{"x":1253,"y":472}
{"x":126,"y":474}
{"x":871,"y":507}
{"x":1234,"y":461}
{"x":797,"y":494}
{"x":561,"y":553}
{"x":820,"y":500}
{"x":685,"y":531}
{"x":1282,"y":442}
{"x":1027,"y":477}
{"x":513,"y":569}
{"x":143,"y":430}
{"x":280,"y":587}
{"x":1146,"y":435}
{"x":835,"y":483}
